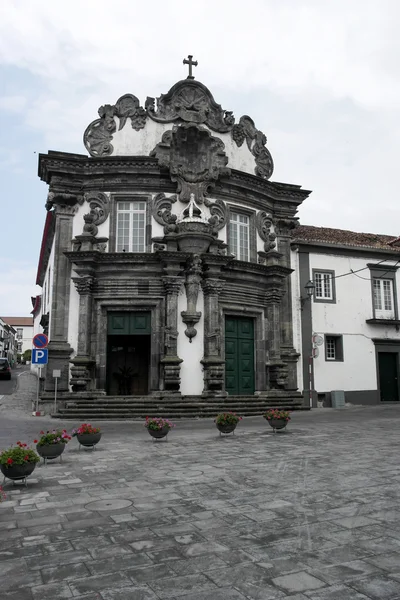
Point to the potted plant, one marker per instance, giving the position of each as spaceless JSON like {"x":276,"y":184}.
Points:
{"x":158,"y":427}
{"x":226,"y":422}
{"x":52,"y":443}
{"x":278,"y":419}
{"x":18,"y":462}
{"x":87,"y":435}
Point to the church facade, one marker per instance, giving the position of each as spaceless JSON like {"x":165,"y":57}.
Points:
{"x":165,"y":259}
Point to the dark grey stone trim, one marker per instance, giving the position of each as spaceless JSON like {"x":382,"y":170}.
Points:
{"x":382,"y":272}
{"x":325,"y":300}
{"x":260,"y":324}
{"x":115,"y":198}
{"x":339,"y":348}
{"x":363,"y":397}
{"x":233,"y":208}
{"x":306,"y":329}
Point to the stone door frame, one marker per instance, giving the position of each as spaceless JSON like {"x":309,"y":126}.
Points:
{"x":156,"y":307}
{"x":260,"y":354}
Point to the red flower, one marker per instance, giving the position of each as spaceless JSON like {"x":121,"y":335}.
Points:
{"x":35,"y":441}
{"x":26,"y":457}
{"x":9,"y":461}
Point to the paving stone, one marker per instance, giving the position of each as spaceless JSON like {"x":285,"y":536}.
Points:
{"x":112,"y":581}
{"x":223,"y":594}
{"x":15,"y":574}
{"x":64,"y":573}
{"x":389,"y":561}
{"x":335,"y":592}
{"x":298,"y":582}
{"x":179,"y":586}
{"x":59,"y":590}
{"x":118,"y":563}
{"x":198,"y":564}
{"x":148,"y":574}
{"x":142,"y":592}
{"x":378,"y":588}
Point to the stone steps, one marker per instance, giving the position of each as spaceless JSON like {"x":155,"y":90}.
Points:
{"x":133,"y":407}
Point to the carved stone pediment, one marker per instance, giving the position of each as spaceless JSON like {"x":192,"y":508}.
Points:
{"x":98,"y":135}
{"x":191,"y":102}
{"x":195,"y":159}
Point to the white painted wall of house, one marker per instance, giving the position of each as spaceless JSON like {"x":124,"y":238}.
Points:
{"x":192,"y":382}
{"x":347,"y":317}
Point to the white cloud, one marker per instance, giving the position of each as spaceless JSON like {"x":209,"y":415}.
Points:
{"x":14,"y":104}
{"x":17,"y":285}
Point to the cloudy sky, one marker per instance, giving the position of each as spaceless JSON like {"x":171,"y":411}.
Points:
{"x":319,"y":77}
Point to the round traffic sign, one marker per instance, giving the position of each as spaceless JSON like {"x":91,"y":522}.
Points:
{"x":40,"y":340}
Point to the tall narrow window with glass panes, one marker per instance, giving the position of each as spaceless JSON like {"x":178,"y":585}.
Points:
{"x":131,"y":226}
{"x":239,"y":236}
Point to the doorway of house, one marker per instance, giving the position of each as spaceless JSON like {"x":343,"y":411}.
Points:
{"x":388,"y":376}
{"x":128,"y":354}
{"x":239,"y":356}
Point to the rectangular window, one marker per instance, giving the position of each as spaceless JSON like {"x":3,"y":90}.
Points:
{"x":131,"y":226}
{"x":19,"y":346}
{"x":323,"y":285}
{"x":19,"y":334}
{"x":239,"y":236}
{"x":334,"y":348}
{"x":383,"y":298}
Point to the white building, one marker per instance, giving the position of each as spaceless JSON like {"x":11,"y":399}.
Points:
{"x":354,"y":309}
{"x":24,"y":328}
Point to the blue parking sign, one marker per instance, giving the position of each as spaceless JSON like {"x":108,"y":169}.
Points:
{"x":40,"y":356}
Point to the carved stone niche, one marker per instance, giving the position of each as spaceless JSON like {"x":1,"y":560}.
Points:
{"x":192,"y":102}
{"x":193,"y":278}
{"x":194,"y":158}
{"x":98,"y":135}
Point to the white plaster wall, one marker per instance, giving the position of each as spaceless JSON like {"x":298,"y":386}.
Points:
{"x":129,"y":142}
{"x":347,"y":317}
{"x":192,"y":382}
{"x":296,"y":313}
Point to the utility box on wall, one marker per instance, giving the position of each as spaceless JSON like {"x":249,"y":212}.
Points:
{"x":337,"y":399}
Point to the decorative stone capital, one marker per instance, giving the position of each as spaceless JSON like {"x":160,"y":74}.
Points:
{"x":212,"y":287}
{"x":84,"y":285}
{"x":274,"y":296}
{"x":284,"y":226}
{"x":172,"y":284}
{"x":64,"y":202}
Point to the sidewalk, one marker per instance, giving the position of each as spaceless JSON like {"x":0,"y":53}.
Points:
{"x":311,"y":514}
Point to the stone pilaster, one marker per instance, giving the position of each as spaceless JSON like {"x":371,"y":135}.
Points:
{"x":59,"y":348}
{"x":277,"y":369}
{"x":171,"y":361}
{"x":213,"y":363}
{"x":283,"y":229}
{"x":82,"y":369}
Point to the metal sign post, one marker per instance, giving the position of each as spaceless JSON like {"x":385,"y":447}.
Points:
{"x":56,"y":375}
{"x":37,"y":391}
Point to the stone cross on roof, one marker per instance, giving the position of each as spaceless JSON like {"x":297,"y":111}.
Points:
{"x":191,"y":63}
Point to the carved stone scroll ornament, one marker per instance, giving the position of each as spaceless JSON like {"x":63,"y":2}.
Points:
{"x":99,"y":207}
{"x":264,"y":226}
{"x":256,"y":140}
{"x":218,"y":213}
{"x":193,"y":277}
{"x":195,"y":160}
{"x":98,"y":135}
{"x":161,"y":211}
{"x":192,"y":102}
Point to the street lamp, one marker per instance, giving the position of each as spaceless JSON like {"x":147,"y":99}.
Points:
{"x":310,"y":289}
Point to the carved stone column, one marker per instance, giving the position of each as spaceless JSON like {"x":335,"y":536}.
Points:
{"x":283,"y":229}
{"x":82,"y":369}
{"x":59,"y":349}
{"x":171,"y":361}
{"x":277,"y":369}
{"x":213,"y":363}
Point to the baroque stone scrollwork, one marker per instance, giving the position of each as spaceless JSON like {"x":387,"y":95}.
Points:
{"x":264,"y":224}
{"x":195,"y":159}
{"x":99,"y":210}
{"x":193,"y":277}
{"x":218,"y":213}
{"x":162,"y":212}
{"x":98,"y":135}
{"x":192,"y":102}
{"x":256,"y":140}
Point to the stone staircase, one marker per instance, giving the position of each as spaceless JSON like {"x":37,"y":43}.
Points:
{"x":174,"y":407}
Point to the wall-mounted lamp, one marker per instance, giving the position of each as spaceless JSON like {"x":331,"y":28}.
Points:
{"x":310,"y":289}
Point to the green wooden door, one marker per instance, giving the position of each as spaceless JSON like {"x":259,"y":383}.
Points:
{"x":388,"y":374}
{"x":129,"y":323}
{"x":239,"y":356}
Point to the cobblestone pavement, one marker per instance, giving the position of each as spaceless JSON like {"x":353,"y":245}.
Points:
{"x":310,"y":514}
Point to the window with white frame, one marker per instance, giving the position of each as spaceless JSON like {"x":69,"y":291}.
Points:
{"x":323,"y":282}
{"x":383,"y":298}
{"x":333,"y":348}
{"x":131,"y":226}
{"x":239,"y":238}
{"x":19,"y":346}
{"x":19,"y":333}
